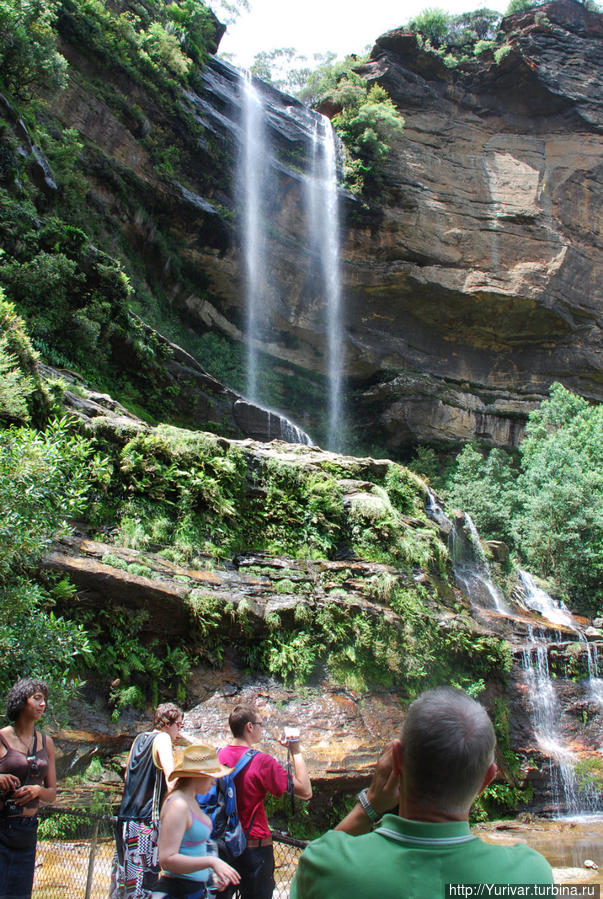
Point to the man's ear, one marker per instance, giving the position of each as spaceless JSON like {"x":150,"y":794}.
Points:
{"x":489,"y":776}
{"x":397,"y":756}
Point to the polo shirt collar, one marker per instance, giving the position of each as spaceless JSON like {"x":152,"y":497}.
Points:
{"x":425,"y":833}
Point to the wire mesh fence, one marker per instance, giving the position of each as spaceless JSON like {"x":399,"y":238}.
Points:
{"x":75,"y":853}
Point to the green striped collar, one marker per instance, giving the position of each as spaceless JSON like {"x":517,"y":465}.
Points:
{"x":425,"y":833}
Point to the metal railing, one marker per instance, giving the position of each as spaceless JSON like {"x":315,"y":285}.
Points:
{"x":75,"y":852}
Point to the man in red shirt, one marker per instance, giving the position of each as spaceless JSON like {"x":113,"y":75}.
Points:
{"x":262,"y":775}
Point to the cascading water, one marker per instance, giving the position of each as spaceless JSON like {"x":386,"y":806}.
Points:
{"x":254,"y":152}
{"x":595,"y":683}
{"x":473,"y":577}
{"x":545,"y":711}
{"x":470,"y":567}
{"x":323,"y":219}
{"x":539,"y":601}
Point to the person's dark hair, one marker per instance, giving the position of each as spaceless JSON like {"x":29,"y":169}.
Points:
{"x":165,"y":714}
{"x":239,"y":717}
{"x":448,"y":745}
{"x":20,"y":692}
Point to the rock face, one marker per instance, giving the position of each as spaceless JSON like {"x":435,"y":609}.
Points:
{"x":484,"y":284}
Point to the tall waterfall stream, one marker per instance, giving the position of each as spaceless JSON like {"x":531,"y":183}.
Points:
{"x":257,"y":193}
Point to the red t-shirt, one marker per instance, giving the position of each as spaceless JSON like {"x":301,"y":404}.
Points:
{"x":260,"y":776}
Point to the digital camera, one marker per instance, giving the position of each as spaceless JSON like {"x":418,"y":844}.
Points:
{"x":10,"y":807}
{"x":291,"y":735}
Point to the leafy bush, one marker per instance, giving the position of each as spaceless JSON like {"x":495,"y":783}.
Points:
{"x":457,"y":38}
{"x":367,"y":124}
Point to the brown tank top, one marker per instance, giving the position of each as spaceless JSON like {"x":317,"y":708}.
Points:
{"x":15,"y":762}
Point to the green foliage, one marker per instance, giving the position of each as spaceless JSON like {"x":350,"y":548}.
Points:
{"x":501,"y":52}
{"x":589,"y":773}
{"x":137,"y":672}
{"x":323,"y":79}
{"x":432,"y":24}
{"x":486,"y":486}
{"x":73,"y":296}
{"x":159,"y":44}
{"x":457,"y":39}
{"x":560,"y":527}
{"x":368,"y":123}
{"x":285,"y":68}
{"x":551,"y":511}
{"x":61,"y":827}
{"x":29,"y":58}
{"x":45,"y":478}
{"x":15,"y":387}
{"x":360,"y":647}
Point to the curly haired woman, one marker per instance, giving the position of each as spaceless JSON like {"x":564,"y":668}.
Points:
{"x":27,"y":777}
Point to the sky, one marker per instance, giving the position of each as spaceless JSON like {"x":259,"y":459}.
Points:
{"x":318,"y":26}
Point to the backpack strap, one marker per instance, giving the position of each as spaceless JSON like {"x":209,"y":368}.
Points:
{"x":244,"y":760}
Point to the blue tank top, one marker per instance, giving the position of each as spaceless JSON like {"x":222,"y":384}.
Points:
{"x":194,"y":844}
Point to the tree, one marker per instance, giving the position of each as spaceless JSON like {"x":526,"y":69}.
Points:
{"x":28,"y":53}
{"x":367,"y":124}
{"x":485,"y":486}
{"x":551,"y":510}
{"x":432,"y":24}
{"x":560,"y":527}
{"x":46,"y":478}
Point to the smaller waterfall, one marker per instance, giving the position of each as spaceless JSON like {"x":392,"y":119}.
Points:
{"x":323,"y":219}
{"x":280,"y":428}
{"x":251,"y":189}
{"x":595,"y":683}
{"x":545,"y":712}
{"x":471,"y":570}
{"x":540,"y":601}
{"x":434,"y":511}
{"x":555,"y":612}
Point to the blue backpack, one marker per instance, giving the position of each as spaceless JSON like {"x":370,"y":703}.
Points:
{"x":220,"y":804}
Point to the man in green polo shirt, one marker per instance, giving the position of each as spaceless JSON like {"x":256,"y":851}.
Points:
{"x":444,"y":759}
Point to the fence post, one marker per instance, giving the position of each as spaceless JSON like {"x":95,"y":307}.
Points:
{"x":91,"y":859}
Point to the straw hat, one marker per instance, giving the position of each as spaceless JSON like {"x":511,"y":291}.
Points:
{"x":197,"y":760}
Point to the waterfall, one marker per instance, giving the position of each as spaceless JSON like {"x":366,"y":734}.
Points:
{"x":540,"y":601}
{"x":258,"y":181}
{"x":471,"y":570}
{"x":545,"y":712}
{"x":595,"y":683}
{"x":472,"y":575}
{"x":254,"y":151}
{"x":323,"y":221}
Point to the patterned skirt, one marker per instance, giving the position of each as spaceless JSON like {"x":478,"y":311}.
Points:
{"x":136,"y":876}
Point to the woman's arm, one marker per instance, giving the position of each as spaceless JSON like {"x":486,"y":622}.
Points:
{"x":163,"y":755}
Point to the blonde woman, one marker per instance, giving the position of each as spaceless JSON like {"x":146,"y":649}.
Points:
{"x":183,"y":851}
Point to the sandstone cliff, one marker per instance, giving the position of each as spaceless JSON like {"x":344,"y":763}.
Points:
{"x":468,"y":290}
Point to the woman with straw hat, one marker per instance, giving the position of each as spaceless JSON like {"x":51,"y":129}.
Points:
{"x":185,"y":829}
